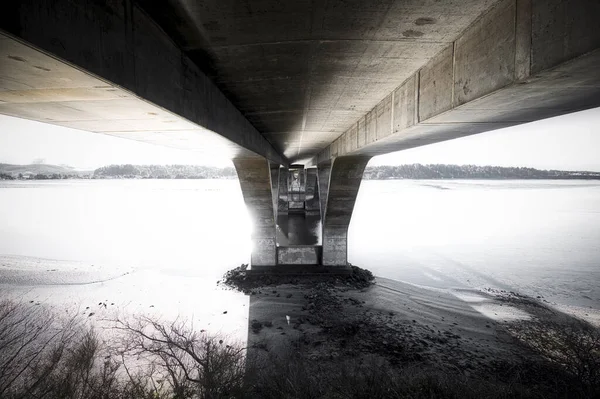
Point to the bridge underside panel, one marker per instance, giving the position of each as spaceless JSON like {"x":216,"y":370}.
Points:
{"x":38,"y":87}
{"x":106,"y":67}
{"x":522,"y":61}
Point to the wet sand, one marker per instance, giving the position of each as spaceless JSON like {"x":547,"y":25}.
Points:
{"x":391,"y":319}
{"x":475,"y":334}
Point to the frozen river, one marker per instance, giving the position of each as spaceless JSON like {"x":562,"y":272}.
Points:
{"x":161,"y":245}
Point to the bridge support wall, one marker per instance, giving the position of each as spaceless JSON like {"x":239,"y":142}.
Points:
{"x":344,"y":182}
{"x":255,"y":180}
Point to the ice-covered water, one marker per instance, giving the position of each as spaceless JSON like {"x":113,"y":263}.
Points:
{"x":154,"y":244}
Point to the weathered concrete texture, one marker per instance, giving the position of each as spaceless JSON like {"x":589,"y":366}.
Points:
{"x":522,"y":61}
{"x":344,"y":182}
{"x":255,"y":180}
{"x":562,"y":30}
{"x":299,"y":255}
{"x":106,"y":67}
{"x":304,"y":71}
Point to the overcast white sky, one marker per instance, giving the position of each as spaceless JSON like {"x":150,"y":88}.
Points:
{"x":570,"y":142}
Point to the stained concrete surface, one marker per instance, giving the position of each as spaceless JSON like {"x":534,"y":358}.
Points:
{"x":298,"y":229}
{"x":303,"y":71}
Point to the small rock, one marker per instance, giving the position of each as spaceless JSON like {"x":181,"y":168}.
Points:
{"x":256,"y":326}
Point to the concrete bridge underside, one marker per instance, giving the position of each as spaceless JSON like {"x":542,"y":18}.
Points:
{"x":303,"y":88}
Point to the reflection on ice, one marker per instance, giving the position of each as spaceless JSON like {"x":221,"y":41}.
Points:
{"x":501,"y":312}
{"x":468,"y":296}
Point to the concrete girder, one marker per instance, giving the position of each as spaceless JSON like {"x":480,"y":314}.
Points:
{"x":255,"y":181}
{"x":344,"y":182}
{"x":106,"y":67}
{"x":522,"y":61}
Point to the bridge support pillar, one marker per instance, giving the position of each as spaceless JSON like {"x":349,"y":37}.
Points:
{"x":275,"y":171}
{"x":345,"y":175}
{"x":282,"y":195}
{"x":312,"y":192}
{"x":255,"y":179}
{"x":323,"y":172}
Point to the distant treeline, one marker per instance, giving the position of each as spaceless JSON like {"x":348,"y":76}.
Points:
{"x":163,"y":172}
{"x":440,"y":171}
{"x":41,"y":172}
{"x":414,"y":171}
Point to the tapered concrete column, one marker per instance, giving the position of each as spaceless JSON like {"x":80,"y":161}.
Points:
{"x":282,"y":203}
{"x":312,"y":191}
{"x":275,"y":187}
{"x":344,"y":182}
{"x":255,"y":178}
{"x":323,"y":172}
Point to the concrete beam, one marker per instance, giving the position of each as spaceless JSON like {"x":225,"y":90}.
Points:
{"x":344,"y":183}
{"x":522,"y":61}
{"x":106,"y":67}
{"x":255,"y":180}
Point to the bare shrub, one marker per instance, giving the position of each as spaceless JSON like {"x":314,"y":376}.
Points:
{"x":187,"y":363}
{"x":32,"y":346}
{"x":574,"y":345}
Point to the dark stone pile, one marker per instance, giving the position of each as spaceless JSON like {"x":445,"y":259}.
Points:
{"x":245,"y":281}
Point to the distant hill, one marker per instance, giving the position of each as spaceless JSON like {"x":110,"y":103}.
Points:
{"x":440,"y":171}
{"x":41,"y":171}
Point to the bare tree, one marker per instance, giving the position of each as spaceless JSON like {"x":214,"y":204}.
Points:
{"x":193,"y":364}
{"x":44,"y":356}
{"x":32,"y":345}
